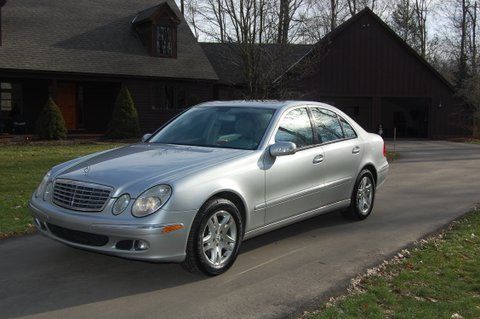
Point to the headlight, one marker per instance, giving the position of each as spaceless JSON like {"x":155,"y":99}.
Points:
{"x":151,"y":200}
{"x":120,"y":204}
{"x":41,"y":187}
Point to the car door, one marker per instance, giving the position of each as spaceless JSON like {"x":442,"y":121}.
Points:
{"x":293,"y":181}
{"x":342,"y":154}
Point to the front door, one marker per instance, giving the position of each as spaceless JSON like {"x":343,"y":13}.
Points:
{"x":293,"y":181}
{"x":67,"y":102}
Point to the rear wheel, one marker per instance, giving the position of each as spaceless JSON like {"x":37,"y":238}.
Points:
{"x":215,"y":238}
{"x":363,"y":197}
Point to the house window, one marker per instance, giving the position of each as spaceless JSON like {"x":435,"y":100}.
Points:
{"x":164,"y":41}
{"x":5,"y":96}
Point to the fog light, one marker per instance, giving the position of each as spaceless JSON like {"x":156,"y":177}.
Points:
{"x":141,"y":245}
{"x":125,"y":245}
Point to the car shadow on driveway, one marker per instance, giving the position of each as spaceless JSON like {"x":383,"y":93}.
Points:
{"x":39,"y":275}
{"x":328,"y":220}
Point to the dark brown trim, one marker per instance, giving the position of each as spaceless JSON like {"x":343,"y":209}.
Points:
{"x":165,"y":13}
{"x":18,"y":73}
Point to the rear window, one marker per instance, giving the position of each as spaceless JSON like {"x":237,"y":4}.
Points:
{"x":327,"y":125}
{"x":347,"y":129}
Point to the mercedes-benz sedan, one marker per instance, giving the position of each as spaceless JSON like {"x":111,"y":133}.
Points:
{"x":217,"y":174}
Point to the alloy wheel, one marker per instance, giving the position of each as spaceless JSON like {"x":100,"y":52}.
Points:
{"x":364,"y":195}
{"x":219,"y":238}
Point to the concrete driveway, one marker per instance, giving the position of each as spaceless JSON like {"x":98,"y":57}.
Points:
{"x":276,"y":275}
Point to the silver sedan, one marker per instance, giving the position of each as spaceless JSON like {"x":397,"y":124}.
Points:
{"x":217,"y":174}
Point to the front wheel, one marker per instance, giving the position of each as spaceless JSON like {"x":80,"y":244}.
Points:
{"x":363,"y":197}
{"x":215,"y":238}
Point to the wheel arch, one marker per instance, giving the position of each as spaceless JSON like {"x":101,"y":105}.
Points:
{"x":235,"y":198}
{"x":372,"y":169}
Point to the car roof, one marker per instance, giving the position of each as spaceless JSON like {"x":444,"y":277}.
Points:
{"x":271,"y":104}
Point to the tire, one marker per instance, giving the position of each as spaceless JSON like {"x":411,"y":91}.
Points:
{"x":216,"y":255}
{"x":361,"y":207}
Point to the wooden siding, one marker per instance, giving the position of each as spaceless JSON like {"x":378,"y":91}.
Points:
{"x":365,"y":60}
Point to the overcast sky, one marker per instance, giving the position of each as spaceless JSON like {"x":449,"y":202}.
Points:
{"x":438,"y":21}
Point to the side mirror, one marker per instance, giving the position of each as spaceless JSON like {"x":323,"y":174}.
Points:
{"x":146,"y":137}
{"x":282,"y":148}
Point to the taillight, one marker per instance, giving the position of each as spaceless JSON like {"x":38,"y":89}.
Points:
{"x":384,"y":149}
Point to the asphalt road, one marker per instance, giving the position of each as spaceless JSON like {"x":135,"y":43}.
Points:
{"x":276,"y":275}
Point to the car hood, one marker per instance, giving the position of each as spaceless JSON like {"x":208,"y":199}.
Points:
{"x":147,"y":164}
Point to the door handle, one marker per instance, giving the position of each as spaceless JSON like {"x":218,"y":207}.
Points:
{"x":318,"y":159}
{"x":356,"y":150}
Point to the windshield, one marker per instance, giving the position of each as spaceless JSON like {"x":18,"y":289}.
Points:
{"x":222,"y":126}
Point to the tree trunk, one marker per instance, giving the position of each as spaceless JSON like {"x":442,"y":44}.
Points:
{"x":462,"y":68}
{"x":333,"y":14}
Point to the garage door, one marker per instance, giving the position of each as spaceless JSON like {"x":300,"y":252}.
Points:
{"x":409,"y":116}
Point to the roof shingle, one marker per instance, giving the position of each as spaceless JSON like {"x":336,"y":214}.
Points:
{"x":226,"y":59}
{"x":92,"y":37}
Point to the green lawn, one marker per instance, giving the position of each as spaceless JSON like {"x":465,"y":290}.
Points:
{"x":21,"y":170}
{"x":437,"y":280}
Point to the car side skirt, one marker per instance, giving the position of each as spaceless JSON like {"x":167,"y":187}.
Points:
{"x":294,"y":219}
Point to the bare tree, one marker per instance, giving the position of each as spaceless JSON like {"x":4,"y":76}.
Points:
{"x":463,"y":17}
{"x":472,"y":14}
{"x":287,"y":19}
{"x":323,"y":16}
{"x":409,"y":20}
{"x":335,"y":9}
{"x":402,"y":20}
{"x":354,"y":6}
{"x":421,"y":8}
{"x":191,"y":15}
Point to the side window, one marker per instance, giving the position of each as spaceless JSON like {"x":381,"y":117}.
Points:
{"x":347,"y":129}
{"x":328,"y":126}
{"x":295,"y":127}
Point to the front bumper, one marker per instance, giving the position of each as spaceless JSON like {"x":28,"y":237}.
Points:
{"x":80,"y":229}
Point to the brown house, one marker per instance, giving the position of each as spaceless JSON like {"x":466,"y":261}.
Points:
{"x":82,"y":52}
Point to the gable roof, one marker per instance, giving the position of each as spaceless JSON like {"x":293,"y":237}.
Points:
{"x":229,"y":66}
{"x":147,"y":14}
{"x":329,"y":37}
{"x":93,"y":37}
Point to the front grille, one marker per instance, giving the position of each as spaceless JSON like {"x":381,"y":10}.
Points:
{"x":78,"y":237}
{"x":80,"y":196}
